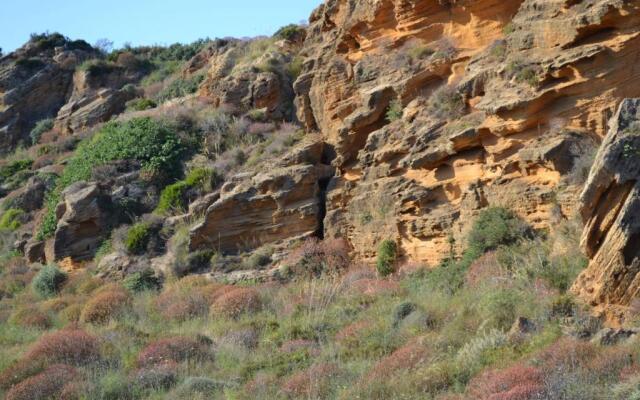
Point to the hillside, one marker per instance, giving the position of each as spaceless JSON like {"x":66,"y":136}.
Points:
{"x":402,"y":199}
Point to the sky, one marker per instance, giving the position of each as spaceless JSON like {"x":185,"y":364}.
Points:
{"x":145,"y":22}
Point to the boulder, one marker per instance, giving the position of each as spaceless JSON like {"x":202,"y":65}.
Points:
{"x":84,"y":218}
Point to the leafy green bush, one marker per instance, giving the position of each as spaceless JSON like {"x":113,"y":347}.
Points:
{"x":387,"y":254}
{"x":494,"y":227}
{"x":141,"y":104}
{"x":142,"y":281}
{"x":48,"y":281}
{"x":152,"y":143}
{"x":11,"y":219}
{"x":289,"y":32}
{"x":394,"y":112}
{"x":41,"y":127}
{"x":172,"y":198}
{"x":10,"y":170}
{"x":180,"y":87}
{"x":294,"y":68}
{"x":137,"y":238}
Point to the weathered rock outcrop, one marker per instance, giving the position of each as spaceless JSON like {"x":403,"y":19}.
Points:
{"x":493,"y":103}
{"x":96,"y":97}
{"x":34,"y":85}
{"x":238,"y":81}
{"x":283,"y":201}
{"x":610,"y":207}
{"x":84,"y":217}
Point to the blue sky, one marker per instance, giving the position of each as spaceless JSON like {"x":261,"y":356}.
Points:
{"x":146,"y":21}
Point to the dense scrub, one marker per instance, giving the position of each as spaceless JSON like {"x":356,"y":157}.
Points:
{"x":495,"y":322}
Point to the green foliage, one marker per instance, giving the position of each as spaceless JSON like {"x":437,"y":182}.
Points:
{"x":290,"y":32}
{"x":394,"y":112}
{"x":150,"y":142}
{"x":522,"y":72}
{"x":9,"y":171}
{"x":48,"y":281}
{"x":41,"y":127}
{"x":97,"y":68}
{"x":142,"y":281}
{"x":418,"y":52}
{"x":294,"y":68}
{"x":137,"y":238}
{"x":387,"y":254}
{"x":141,"y":104}
{"x":11,"y":219}
{"x":180,"y":87}
{"x":172,"y":198}
{"x":508,"y":29}
{"x":494,"y":227}
{"x":257,"y":114}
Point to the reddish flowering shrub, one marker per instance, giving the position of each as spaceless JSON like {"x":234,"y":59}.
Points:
{"x":313,"y":382}
{"x":175,"y":349}
{"x":106,"y":304}
{"x":46,"y":385}
{"x":19,"y":371}
{"x":186,"y":300}
{"x":518,"y":382}
{"x":403,"y":359}
{"x":485,"y":269}
{"x":260,"y":384}
{"x":68,"y":346}
{"x":314,"y":257}
{"x":567,"y":353}
{"x":236,"y":302}
{"x":352,"y":331}
{"x":31,"y":317}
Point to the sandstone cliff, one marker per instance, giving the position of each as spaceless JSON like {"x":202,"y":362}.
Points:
{"x":495,"y":103}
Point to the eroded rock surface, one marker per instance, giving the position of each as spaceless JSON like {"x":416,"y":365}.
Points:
{"x":283,"y":201}
{"x":494,"y":103}
{"x":84,"y":216}
{"x":610,"y":207}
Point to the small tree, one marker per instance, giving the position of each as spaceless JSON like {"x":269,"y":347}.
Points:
{"x":387,"y":254}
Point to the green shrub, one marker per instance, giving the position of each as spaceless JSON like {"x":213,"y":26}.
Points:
{"x":48,"y":281}
{"x":387,"y":254}
{"x":494,"y":227}
{"x":141,"y":104}
{"x":401,"y":312}
{"x":9,"y":171}
{"x":563,"y":306}
{"x":172,"y":198}
{"x":137,"y":238}
{"x":394,"y":112}
{"x":11,"y":219}
{"x":97,"y":68}
{"x":257,"y":114}
{"x":152,"y":143}
{"x":289,"y":32}
{"x":180,"y":87}
{"x":142,"y":281}
{"x":41,"y":127}
{"x":294,"y":68}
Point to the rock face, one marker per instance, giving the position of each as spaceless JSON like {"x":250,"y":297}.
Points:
{"x":34,"y":85}
{"x":84,"y":216}
{"x":238,"y":82}
{"x":436,"y":109}
{"x":284,"y":201}
{"x":610,"y":207}
{"x":96,"y":96}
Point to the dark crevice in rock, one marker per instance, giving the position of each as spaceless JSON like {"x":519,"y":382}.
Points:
{"x":323,"y":184}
